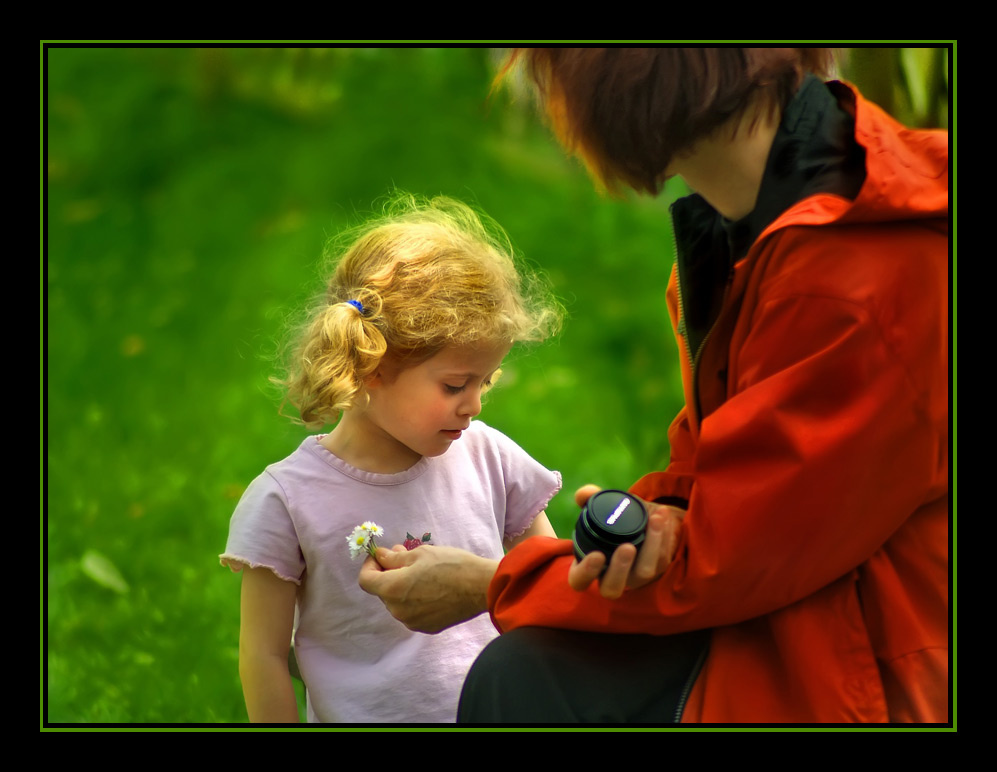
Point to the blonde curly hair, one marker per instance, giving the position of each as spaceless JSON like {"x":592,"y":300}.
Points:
{"x":428,"y":274}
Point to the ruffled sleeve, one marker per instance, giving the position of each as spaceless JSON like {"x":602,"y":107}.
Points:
{"x":262,"y":533}
{"x":529,"y":485}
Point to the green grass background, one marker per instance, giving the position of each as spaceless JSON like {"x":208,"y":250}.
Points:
{"x":189,"y":195}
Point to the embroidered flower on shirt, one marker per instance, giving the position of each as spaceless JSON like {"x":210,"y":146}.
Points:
{"x":362,"y":539}
{"x":412,"y":542}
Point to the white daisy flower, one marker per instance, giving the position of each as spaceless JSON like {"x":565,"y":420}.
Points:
{"x":362,"y":539}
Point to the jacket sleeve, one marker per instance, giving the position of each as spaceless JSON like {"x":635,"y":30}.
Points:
{"x":824,"y":448}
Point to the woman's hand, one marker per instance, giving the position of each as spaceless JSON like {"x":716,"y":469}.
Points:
{"x":628,"y":567}
{"x":430,"y":588}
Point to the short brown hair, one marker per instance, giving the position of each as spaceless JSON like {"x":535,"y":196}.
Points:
{"x":628,"y":111}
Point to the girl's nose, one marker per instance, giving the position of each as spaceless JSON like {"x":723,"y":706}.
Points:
{"x":472,"y":405}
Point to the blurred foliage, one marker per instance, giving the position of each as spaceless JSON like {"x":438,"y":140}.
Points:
{"x":189,"y":192}
{"x":912,"y":84}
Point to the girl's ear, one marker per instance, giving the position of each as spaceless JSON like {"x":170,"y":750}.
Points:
{"x":374,"y":380}
{"x":386,"y":372}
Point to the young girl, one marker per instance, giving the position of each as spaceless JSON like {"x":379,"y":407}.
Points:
{"x":420,"y":311}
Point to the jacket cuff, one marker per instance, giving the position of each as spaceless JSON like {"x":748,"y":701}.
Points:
{"x":530,"y":571}
{"x":664,"y":488}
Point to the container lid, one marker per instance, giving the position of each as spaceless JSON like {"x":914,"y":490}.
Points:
{"x":615,"y":516}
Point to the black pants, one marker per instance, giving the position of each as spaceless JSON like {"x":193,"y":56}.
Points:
{"x":536,"y":675}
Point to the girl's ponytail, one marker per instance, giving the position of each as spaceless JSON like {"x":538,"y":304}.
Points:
{"x":342,"y":347}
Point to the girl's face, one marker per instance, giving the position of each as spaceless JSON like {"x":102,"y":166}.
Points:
{"x":421,"y":410}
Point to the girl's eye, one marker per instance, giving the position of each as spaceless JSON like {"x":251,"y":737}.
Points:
{"x":485,"y":385}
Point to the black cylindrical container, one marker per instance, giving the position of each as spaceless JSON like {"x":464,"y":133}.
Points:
{"x":608,"y":519}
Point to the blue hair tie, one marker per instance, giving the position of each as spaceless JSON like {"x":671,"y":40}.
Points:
{"x":357,"y":305}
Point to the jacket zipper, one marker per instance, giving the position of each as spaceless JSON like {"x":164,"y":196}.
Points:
{"x":683,"y":329}
{"x":687,"y":689}
{"x":695,"y":357}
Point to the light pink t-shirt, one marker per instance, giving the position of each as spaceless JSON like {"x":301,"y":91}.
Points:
{"x":358,"y":663}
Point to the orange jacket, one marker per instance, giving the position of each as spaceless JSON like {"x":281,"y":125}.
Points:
{"x":816,"y":474}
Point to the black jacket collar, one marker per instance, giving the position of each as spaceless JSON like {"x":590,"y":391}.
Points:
{"x":814,"y":151}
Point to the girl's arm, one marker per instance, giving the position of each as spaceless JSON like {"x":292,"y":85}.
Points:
{"x":539,"y":527}
{"x":264,"y":640}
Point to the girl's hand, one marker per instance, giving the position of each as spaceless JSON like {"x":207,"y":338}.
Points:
{"x":628,"y":567}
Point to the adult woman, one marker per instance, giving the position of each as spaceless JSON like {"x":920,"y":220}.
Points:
{"x":810,"y":298}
